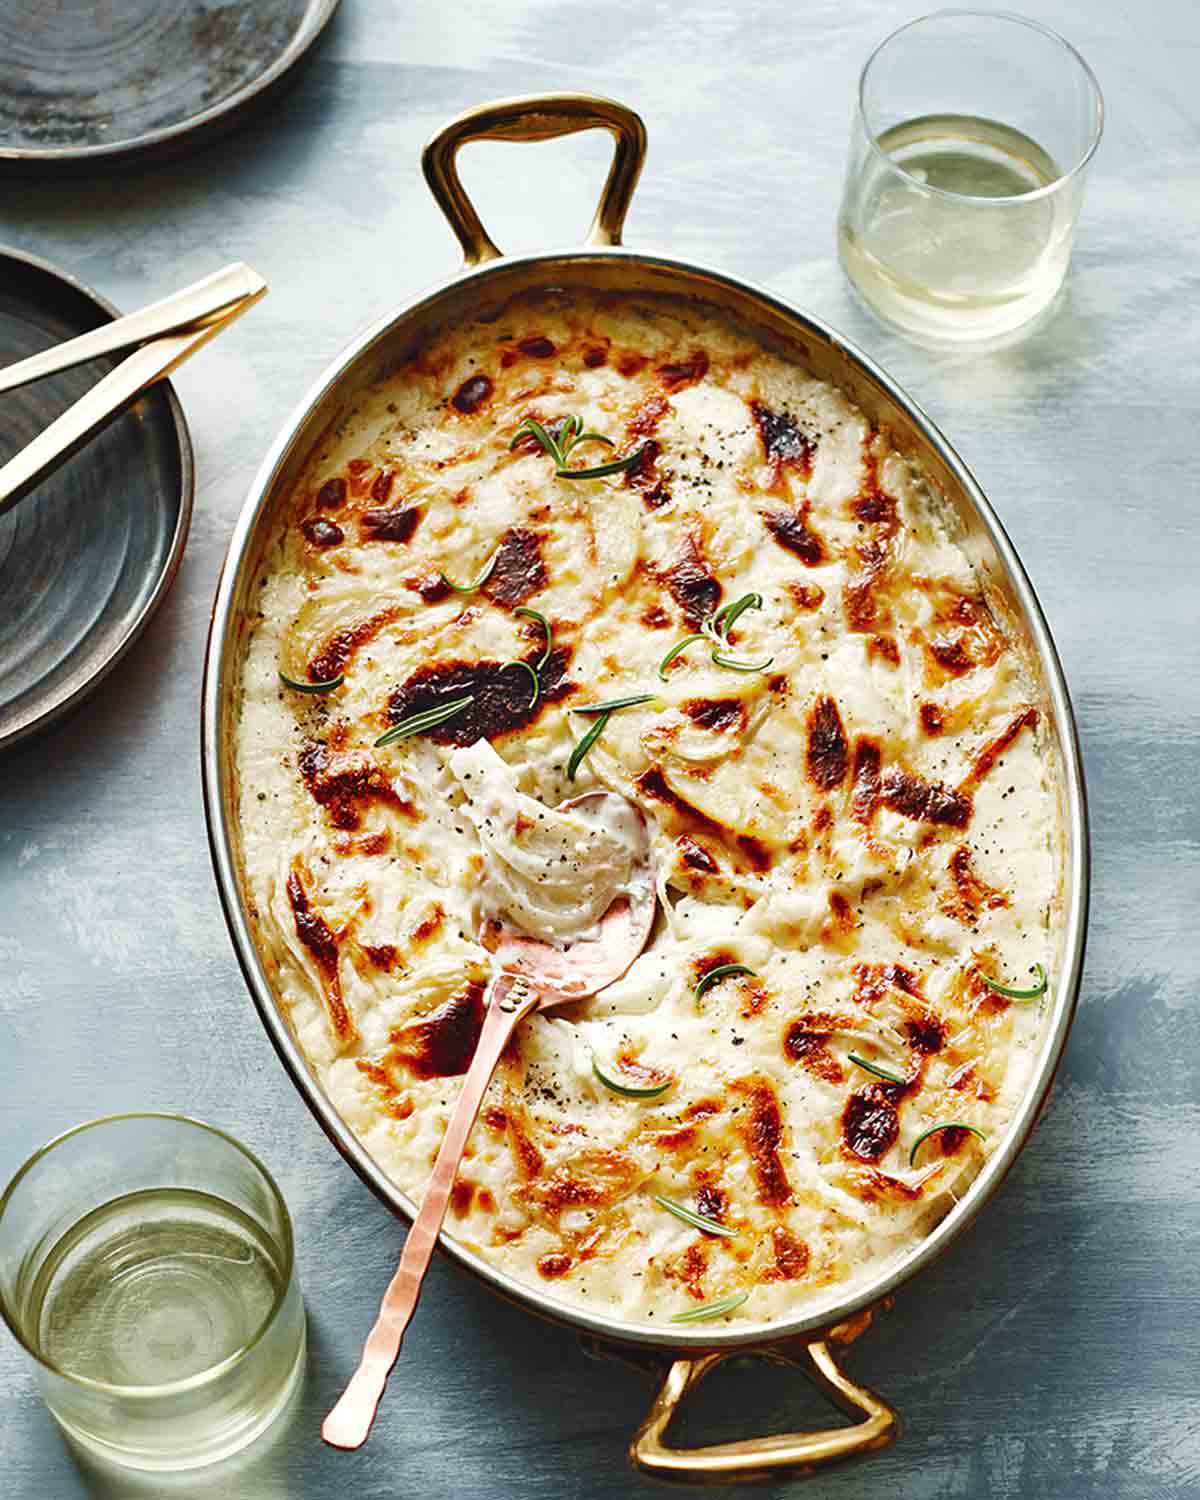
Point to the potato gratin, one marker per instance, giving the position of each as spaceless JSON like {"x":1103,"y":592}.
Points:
{"x":851,"y":811}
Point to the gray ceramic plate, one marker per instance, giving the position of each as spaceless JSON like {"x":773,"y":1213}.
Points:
{"x":86,"y":557}
{"x":81,"y":80}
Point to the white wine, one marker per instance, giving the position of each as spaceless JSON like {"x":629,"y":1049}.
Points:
{"x":959,"y":245}
{"x":153,"y":1287}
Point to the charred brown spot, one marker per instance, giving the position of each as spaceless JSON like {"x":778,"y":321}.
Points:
{"x":494,"y":1118}
{"x":332,"y":494}
{"x":806,"y":1041}
{"x":335,"y":654}
{"x":868,"y":758}
{"x":519,"y":572}
{"x":655,"y":617}
{"x":686,"y":372}
{"x":792,"y":1256}
{"x":433,"y":588}
{"x":630,"y":364}
{"x":693,"y":586}
{"x":314,"y":932}
{"x":344,"y":782}
{"x":717,"y":714}
{"x":647,"y":417}
{"x":874,"y":980}
{"x":875,"y":507}
{"x":381,"y":955}
{"x":430,"y":924}
{"x":462,"y":1195}
{"x":858,"y":596}
{"x":828,"y":753}
{"x":695,"y":856}
{"x":711,"y":1202}
{"x":396,"y":524}
{"x":589,"y":1179}
{"x":995,"y":748}
{"x":790,"y":530}
{"x":537,"y":346}
{"x":654,"y":785}
{"x":762,"y":1133}
{"x":870,"y":1124}
{"x":643,"y":475}
{"x":842,"y":912}
{"x":382,"y":487}
{"x":971,"y":895}
{"x":784,"y":443}
{"x":884,"y":648}
{"x":952,"y":656}
{"x":441,"y":1044}
{"x":322,"y":532}
{"x":471,"y":394}
{"x":932,"y":719}
{"x":925,"y":1033}
{"x":807,"y":596}
{"x":556,"y":1264}
{"x":393,"y":1106}
{"x":594,"y":356}
{"x":924,"y":801}
{"x":500,"y":691}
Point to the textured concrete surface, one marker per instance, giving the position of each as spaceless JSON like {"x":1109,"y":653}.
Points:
{"x":1053,"y":1352}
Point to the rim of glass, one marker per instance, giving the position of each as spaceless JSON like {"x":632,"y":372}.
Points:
{"x":202,"y":1377}
{"x":985,"y":15}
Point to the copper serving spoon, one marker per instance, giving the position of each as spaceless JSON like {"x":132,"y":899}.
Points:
{"x":531,"y":975}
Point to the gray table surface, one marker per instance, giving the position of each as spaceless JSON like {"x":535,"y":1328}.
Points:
{"x":1053,"y":1352}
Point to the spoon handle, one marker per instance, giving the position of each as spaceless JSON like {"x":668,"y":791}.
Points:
{"x":509,"y":1000}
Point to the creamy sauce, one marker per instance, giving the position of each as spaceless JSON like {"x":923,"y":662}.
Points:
{"x":868,"y":824}
{"x":552,"y":872}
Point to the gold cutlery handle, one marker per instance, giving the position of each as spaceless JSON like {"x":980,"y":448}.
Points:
{"x":202,"y":302}
{"x":109,"y":396}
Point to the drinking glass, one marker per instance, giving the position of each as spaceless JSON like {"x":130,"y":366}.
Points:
{"x":146,"y":1263}
{"x":971,"y":140}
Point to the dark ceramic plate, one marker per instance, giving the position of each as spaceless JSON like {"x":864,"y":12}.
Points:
{"x":86,"y":79}
{"x":87,"y":556}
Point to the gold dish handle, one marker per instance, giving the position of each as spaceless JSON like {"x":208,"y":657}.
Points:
{"x":756,"y":1458}
{"x":535,"y":117}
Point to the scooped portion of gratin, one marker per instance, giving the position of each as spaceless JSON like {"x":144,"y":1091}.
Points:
{"x":628,"y":506}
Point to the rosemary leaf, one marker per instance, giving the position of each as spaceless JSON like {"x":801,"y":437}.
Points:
{"x":690,"y":1216}
{"x":722,"y":971}
{"x":936,"y":1130}
{"x":708,"y":1310}
{"x":427,"y":719}
{"x":312,"y":687}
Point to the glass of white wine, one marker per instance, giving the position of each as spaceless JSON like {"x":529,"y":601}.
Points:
{"x":971,"y":140}
{"x":146,"y":1262}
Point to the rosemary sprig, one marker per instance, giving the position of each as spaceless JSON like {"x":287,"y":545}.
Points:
{"x":722,"y":971}
{"x":613,"y":704}
{"x":708,"y":1310}
{"x":426,"y":720}
{"x":869,"y":1067}
{"x":312,"y":687}
{"x":628,"y":1090}
{"x":585,"y":744}
{"x":516,"y":661}
{"x":536,"y":614}
{"x":676,"y":650}
{"x":478,"y":582}
{"x":936,"y":1130}
{"x":568,"y":434}
{"x":603,"y":712}
{"x":601,"y":471}
{"x":690,"y":1216}
{"x":715,"y":629}
{"x":1038,"y":990}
